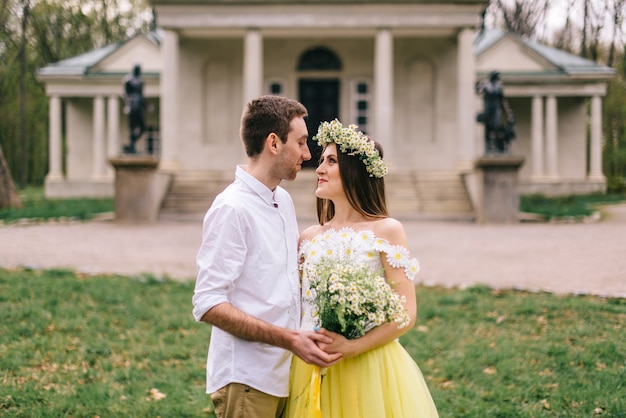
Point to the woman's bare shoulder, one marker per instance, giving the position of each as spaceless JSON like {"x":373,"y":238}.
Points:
{"x":389,"y":229}
{"x":311,"y":231}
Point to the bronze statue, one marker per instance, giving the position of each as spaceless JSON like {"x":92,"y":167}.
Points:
{"x":134,"y":108}
{"x":497,"y":116}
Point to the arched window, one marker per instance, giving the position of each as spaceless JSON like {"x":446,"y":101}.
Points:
{"x":319,"y":58}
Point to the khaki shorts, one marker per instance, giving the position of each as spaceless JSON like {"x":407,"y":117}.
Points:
{"x":241,"y":401}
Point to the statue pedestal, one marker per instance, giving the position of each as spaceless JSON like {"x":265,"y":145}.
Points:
{"x":137,"y":195}
{"x":497,"y":181}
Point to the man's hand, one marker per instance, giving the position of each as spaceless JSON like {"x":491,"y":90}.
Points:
{"x":305,"y":346}
{"x":302,"y":343}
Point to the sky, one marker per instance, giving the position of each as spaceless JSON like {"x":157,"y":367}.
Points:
{"x":557,"y":15}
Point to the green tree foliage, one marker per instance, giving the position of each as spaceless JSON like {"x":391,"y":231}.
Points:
{"x":614,"y":115}
{"x":64,"y":28}
{"x":55,"y":30}
{"x":36,"y":124}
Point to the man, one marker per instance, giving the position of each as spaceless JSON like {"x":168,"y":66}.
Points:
{"x":248,"y":284}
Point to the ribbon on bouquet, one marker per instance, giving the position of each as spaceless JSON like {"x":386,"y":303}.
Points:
{"x":315,"y":389}
{"x":307,"y":402}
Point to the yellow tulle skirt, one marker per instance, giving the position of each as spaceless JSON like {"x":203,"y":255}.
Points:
{"x":381,"y":383}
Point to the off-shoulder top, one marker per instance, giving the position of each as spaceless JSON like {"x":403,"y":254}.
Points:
{"x":362,"y":246}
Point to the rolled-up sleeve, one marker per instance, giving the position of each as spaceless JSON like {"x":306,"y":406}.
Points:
{"x":220,"y":258}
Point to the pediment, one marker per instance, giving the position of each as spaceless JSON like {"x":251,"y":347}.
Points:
{"x":510,"y":55}
{"x":138,"y":50}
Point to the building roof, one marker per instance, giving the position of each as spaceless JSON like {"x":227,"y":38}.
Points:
{"x":82,"y":64}
{"x":564,"y":63}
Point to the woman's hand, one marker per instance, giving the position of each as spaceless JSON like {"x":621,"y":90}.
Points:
{"x":340,"y":344}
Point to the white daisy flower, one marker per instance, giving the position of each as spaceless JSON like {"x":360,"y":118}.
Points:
{"x":397,"y":256}
{"x":412,"y":268}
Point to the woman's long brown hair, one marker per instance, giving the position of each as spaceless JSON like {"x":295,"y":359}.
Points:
{"x":366,"y":194}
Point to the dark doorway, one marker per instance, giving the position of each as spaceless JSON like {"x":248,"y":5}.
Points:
{"x":321,"y":98}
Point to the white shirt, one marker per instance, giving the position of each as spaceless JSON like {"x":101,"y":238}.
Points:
{"x":248,"y":258}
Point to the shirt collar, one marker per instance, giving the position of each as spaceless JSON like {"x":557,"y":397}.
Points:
{"x":259,"y":188}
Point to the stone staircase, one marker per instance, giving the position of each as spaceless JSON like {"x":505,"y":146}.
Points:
{"x":428,"y":195}
{"x":191,"y":192}
{"x":410,"y":195}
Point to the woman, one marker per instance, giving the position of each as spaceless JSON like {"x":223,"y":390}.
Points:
{"x":376,"y":376}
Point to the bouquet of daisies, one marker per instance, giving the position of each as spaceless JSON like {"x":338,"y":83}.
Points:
{"x":346,"y":291}
{"x":351,"y":298}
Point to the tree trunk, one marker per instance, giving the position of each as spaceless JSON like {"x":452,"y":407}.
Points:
{"x":586,"y":18}
{"x":618,"y":7}
{"x":8,"y":195}
{"x":25,"y":12}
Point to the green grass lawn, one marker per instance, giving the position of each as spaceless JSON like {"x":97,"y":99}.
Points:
{"x":109,"y":346}
{"x":574,"y":206}
{"x":36,"y":206}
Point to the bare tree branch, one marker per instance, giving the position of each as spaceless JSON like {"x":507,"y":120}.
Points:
{"x":523,"y":17}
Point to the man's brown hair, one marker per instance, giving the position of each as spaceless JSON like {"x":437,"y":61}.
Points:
{"x":266,"y":115}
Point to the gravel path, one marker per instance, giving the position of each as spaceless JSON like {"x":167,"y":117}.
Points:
{"x":582,"y":258}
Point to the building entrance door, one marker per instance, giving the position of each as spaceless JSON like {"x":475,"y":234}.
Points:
{"x":321,"y":98}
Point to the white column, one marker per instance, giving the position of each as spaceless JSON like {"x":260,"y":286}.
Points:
{"x":113,"y":126}
{"x":252,"y":65}
{"x":552,"y":151}
{"x":55,"y":172}
{"x":465,"y":73}
{"x":169,"y":102}
{"x":595,"y":157}
{"x":536,"y":141}
{"x":383,"y":89}
{"x":97,"y":163}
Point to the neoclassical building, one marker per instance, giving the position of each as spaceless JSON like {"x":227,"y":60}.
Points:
{"x":557,"y":100}
{"x":404,"y":71}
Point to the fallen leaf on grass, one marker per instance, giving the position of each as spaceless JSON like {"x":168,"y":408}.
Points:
{"x":545,"y":372}
{"x":448,"y":384}
{"x":49,"y":367}
{"x":156,"y":395}
{"x":490,"y":370}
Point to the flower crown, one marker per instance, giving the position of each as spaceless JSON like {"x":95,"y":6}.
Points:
{"x":352,"y":142}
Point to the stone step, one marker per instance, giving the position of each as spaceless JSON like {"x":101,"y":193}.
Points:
{"x":409,"y":195}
